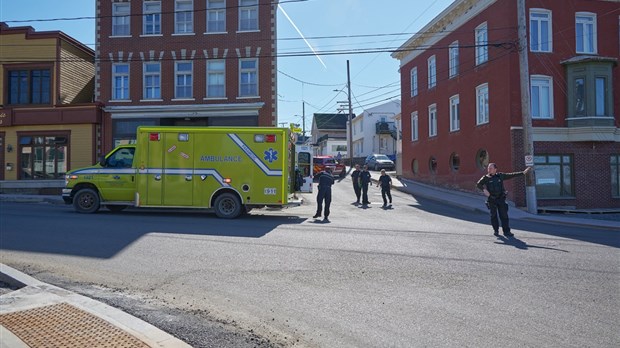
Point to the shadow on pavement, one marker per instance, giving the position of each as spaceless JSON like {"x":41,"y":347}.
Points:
{"x":564,"y":230}
{"x":59,"y":230}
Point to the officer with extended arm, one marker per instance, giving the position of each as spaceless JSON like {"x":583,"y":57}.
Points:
{"x":492,"y":185}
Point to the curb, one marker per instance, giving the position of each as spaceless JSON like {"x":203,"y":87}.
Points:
{"x":36,"y":294}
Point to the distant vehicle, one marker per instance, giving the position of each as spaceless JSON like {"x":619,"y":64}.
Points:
{"x":378,"y":162}
{"x":323,"y":162}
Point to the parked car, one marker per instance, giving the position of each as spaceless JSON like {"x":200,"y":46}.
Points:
{"x":378,"y":162}
{"x":323,"y":162}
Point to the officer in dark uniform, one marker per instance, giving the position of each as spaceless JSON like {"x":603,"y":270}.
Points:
{"x":357,"y":187}
{"x":365,"y":181}
{"x":492,"y":184}
{"x":326,"y":180}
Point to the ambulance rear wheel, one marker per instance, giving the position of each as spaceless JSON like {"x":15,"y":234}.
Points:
{"x":86,"y":201}
{"x":227,"y":206}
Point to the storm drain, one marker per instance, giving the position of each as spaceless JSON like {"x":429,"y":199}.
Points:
{"x":63,"y":325}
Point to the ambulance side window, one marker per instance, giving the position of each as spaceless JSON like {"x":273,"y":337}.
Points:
{"x":122,"y":158}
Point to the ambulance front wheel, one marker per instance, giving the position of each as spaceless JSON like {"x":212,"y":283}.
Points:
{"x":227,"y":206}
{"x":86,"y":201}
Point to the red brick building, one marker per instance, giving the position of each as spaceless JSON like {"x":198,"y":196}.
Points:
{"x":461,"y":99}
{"x":185,"y":62}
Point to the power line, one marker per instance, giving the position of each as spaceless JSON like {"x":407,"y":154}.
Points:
{"x":275,"y":3}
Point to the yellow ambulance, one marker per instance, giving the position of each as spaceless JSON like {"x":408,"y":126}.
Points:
{"x":227,"y":170}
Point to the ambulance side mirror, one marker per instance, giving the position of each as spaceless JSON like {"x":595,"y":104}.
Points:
{"x":102,"y":161}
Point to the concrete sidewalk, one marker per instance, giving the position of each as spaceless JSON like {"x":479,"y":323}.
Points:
{"x":475,"y":202}
{"x":42,"y":315}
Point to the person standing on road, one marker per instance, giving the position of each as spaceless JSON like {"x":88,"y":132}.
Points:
{"x":357,"y":186}
{"x":365,"y":181}
{"x":386,"y":186}
{"x":492,"y":185}
{"x":326,"y":180}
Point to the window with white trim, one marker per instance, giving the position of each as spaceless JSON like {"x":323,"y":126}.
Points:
{"x":248,"y":77}
{"x":414,"y":81}
{"x":121,"y":19}
{"x":541,"y":94}
{"x":183,"y":16}
{"x":432,"y":120}
{"x":432,"y":72}
{"x":248,"y":15}
{"x":455,"y":113}
{"x":183,"y":72}
{"x":216,"y":78}
{"x":482,"y":40}
{"x":216,"y":16}
{"x":453,"y":52}
{"x":540,"y":30}
{"x":482,"y":104}
{"x":152,"y":18}
{"x":585,"y":32}
{"x":120,"y":81}
{"x":152,"y":80}
{"x":414,"y":126}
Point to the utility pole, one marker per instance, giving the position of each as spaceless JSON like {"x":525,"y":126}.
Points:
{"x":303,"y":119}
{"x":528,"y":143}
{"x":282,"y":124}
{"x":350,"y":119}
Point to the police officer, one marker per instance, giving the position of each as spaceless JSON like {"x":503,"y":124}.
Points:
{"x":365,"y":181}
{"x":326,"y":180}
{"x":357,"y":187}
{"x":492,"y":184}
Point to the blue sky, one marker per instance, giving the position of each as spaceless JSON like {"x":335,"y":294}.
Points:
{"x":328,"y":25}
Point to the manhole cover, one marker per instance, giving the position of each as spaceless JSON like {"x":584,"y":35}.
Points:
{"x":63,"y":325}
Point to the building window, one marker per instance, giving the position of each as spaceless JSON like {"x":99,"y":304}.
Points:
{"x":216,"y":78}
{"x":585,"y":32}
{"x":432,"y":165}
{"x":216,"y":16}
{"x":183,"y":72}
{"x":482,"y":48}
{"x":540,"y":31}
{"x":482,"y":159}
{"x":120,"y":81}
{"x":580,"y":97}
{"x":455,"y":162}
{"x":29,"y":87}
{"x":590,"y":92}
{"x":248,"y":15}
{"x":541,"y":91}
{"x":615,"y":175}
{"x":482,"y":104}
{"x":414,"y":126}
{"x":455,"y":114}
{"x":453,"y":52}
{"x":415,"y":166}
{"x":248,"y":77}
{"x":183,"y":16}
{"x":600,"y":94}
{"x":152,"y":18}
{"x":152,"y":80}
{"x":43,"y":156}
{"x":121,"y":19}
{"x":432,"y":120}
{"x":432,"y":72}
{"x":414,"y":82}
{"x":554,"y":176}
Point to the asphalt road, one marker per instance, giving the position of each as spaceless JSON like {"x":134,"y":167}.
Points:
{"x":420,"y":274}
